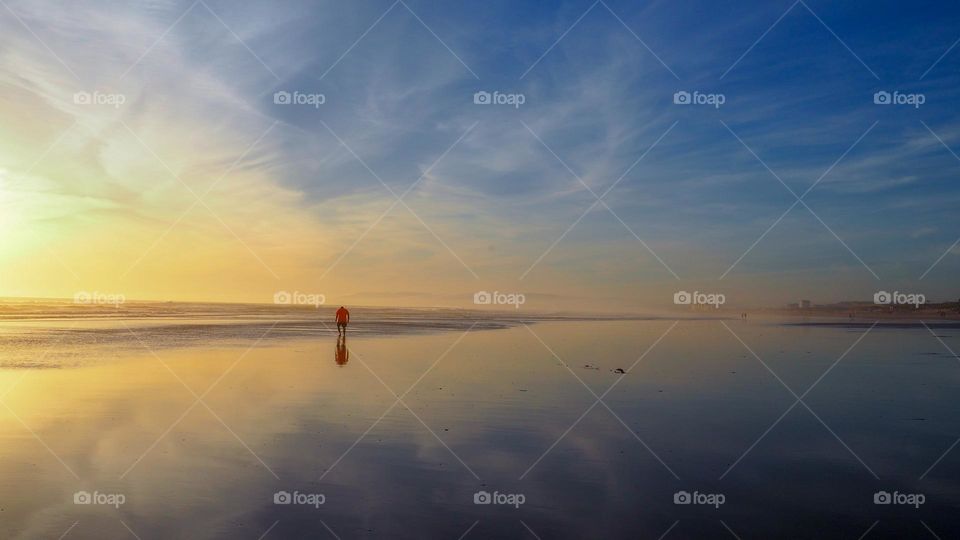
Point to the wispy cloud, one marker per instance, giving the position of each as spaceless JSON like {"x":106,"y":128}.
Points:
{"x":198,"y":82}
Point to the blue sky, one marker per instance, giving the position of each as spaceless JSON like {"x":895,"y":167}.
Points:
{"x":598,"y":82}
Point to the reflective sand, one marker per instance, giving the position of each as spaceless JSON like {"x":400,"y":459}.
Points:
{"x":492,"y":411}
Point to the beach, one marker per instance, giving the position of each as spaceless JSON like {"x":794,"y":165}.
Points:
{"x":508,"y":270}
{"x":211,"y":431}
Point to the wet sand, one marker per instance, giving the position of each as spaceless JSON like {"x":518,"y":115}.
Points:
{"x":491,"y":411}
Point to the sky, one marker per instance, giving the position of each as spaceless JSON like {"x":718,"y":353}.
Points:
{"x":148,"y":149}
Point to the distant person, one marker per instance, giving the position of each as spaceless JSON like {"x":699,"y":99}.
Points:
{"x":343,"y":318}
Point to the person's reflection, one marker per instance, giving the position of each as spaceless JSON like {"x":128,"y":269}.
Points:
{"x":343,"y":354}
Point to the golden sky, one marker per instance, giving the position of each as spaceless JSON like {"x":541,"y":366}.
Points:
{"x":144,"y":151}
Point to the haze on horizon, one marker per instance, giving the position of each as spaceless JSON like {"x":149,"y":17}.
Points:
{"x":199,"y":186}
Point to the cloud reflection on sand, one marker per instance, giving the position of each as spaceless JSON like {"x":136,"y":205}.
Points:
{"x":498,"y":400}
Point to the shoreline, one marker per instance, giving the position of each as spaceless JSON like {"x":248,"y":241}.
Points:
{"x":929,"y":315}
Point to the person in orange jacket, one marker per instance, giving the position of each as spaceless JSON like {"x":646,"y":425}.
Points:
{"x":343,"y":318}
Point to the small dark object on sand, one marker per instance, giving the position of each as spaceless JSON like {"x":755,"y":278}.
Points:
{"x":619,"y":370}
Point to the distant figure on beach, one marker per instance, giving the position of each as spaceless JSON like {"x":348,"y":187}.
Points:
{"x":343,"y":354}
{"x":343,"y":318}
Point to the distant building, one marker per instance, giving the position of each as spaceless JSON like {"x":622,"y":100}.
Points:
{"x":793,"y":306}
{"x":805,"y":304}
